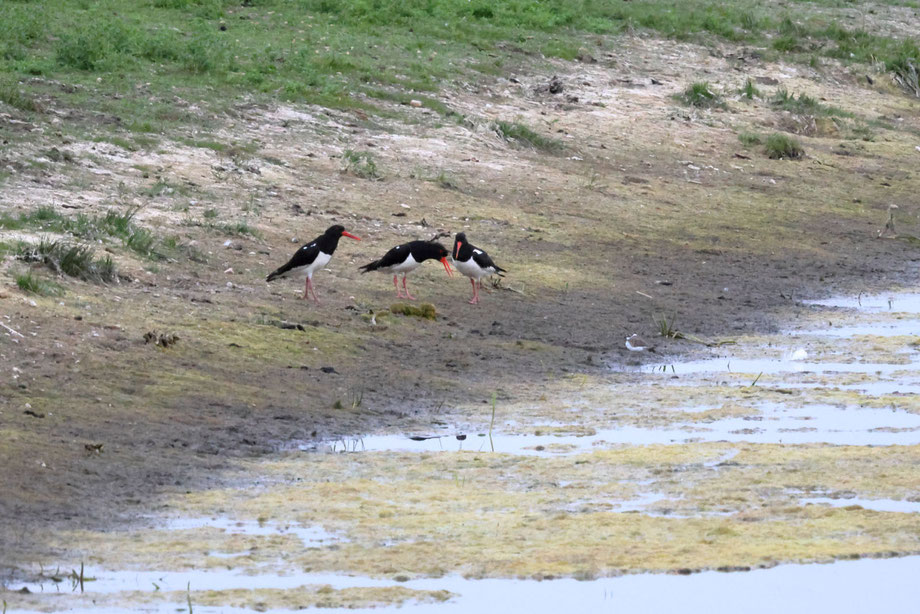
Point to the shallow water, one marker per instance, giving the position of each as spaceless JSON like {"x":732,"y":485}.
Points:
{"x":865,"y":585}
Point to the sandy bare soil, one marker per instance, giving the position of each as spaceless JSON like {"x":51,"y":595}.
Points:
{"x":650,"y":209}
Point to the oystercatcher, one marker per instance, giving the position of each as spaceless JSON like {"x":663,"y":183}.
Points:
{"x":474,"y":263}
{"x":406,"y":258}
{"x":312,"y":256}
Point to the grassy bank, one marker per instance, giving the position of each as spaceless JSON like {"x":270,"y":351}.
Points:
{"x":133,"y":58}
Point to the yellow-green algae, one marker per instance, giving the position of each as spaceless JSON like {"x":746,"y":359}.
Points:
{"x":495,"y":515}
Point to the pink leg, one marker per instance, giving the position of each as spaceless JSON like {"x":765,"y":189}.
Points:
{"x":408,"y":296}
{"x":313,"y":288}
{"x":396,"y":283}
{"x":306,"y":289}
{"x":475,"y":298}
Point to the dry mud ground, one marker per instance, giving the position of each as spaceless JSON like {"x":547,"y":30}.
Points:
{"x":644,"y":191}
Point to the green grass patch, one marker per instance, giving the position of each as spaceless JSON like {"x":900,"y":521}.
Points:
{"x":701,"y":95}
{"x":804,"y":105}
{"x":12,"y":95}
{"x":331,"y":52}
{"x":782,"y":146}
{"x":521,"y":135}
{"x":33,"y":284}
{"x":360,"y":164}
{"x":69,"y":259}
{"x":113,"y":224}
{"x":749,"y":139}
{"x":750,"y":91}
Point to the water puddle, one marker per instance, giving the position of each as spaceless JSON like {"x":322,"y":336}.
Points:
{"x":848,"y":586}
{"x":876,"y":505}
{"x":768,"y":423}
{"x":907,"y":302}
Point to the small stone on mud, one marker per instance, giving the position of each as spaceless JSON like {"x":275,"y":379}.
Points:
{"x":328,"y":370}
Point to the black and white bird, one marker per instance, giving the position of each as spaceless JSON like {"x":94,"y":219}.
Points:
{"x":312,"y":256}
{"x":406,"y":258}
{"x":474,"y":263}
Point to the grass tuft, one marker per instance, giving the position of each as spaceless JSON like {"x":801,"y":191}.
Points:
{"x":804,"y":105}
{"x":32,"y":284}
{"x":70,"y":259}
{"x":749,"y":91}
{"x":701,"y":95}
{"x":750,"y":138}
{"x":514,"y":132}
{"x":361,"y":164}
{"x":783,"y":147}
{"x":11,"y":95}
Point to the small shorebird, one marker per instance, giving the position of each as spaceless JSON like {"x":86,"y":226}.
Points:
{"x":474,"y":263}
{"x":635,"y":343}
{"x":406,"y":258}
{"x":312,"y":256}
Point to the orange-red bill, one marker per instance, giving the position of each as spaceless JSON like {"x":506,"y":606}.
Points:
{"x":350,"y":236}
{"x":447,"y":266}
{"x":457,"y":251}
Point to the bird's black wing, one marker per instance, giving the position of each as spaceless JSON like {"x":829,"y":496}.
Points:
{"x":484,"y":261}
{"x":395,"y":256}
{"x":305,"y":256}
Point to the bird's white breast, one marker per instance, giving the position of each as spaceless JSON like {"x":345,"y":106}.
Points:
{"x":322,"y":259}
{"x":407,"y":265}
{"x":470,"y":268}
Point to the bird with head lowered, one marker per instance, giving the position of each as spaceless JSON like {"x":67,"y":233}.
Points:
{"x":406,"y":258}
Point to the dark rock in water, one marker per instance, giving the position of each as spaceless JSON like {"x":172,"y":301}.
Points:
{"x":461,"y":437}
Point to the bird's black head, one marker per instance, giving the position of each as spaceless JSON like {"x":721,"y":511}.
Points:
{"x":436,"y":251}
{"x":329,"y":240}
{"x":459,"y":243}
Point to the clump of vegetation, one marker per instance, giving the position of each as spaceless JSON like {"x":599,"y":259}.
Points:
{"x":749,"y":139}
{"x":72,"y":260}
{"x":114,"y":224}
{"x":424,"y":310}
{"x":749,"y":91}
{"x":804,"y":105}
{"x":11,"y":95}
{"x":517,"y":133}
{"x":360,"y":164}
{"x":33,"y":284}
{"x":782,"y":146}
{"x":667,"y":327}
{"x":701,"y":96}
{"x":904,"y":71}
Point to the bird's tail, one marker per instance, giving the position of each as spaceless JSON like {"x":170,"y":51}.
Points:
{"x":371,"y":266}
{"x":499,"y":270}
